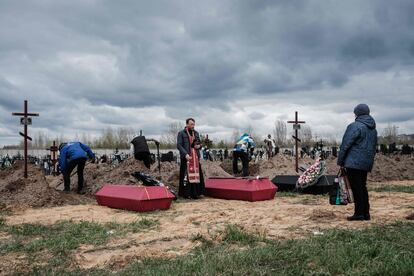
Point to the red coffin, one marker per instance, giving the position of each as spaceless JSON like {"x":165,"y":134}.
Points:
{"x":134,"y":198}
{"x":241,"y":188}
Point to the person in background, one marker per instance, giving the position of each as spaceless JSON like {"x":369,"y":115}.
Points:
{"x":226,"y":153}
{"x":241,"y":151}
{"x":46,"y":166}
{"x":270,"y":145}
{"x":356,"y":156}
{"x":74,"y":154}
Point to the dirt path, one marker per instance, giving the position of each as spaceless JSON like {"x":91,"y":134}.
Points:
{"x":281,"y":218}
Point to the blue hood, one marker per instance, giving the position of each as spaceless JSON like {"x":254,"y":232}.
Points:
{"x":366,"y":120}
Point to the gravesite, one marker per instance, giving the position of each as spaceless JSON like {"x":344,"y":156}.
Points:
{"x":211,"y":138}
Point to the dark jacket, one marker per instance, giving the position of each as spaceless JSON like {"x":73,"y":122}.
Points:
{"x":183,"y":143}
{"x":358,"y":146}
{"x":72,"y":151}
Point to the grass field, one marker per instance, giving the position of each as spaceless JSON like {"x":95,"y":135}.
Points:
{"x":392,"y":188}
{"x":382,"y":250}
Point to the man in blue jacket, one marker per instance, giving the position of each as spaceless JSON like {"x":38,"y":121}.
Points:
{"x":356,"y":155}
{"x":74,"y":154}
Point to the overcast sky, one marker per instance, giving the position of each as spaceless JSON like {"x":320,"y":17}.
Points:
{"x":87,"y":65}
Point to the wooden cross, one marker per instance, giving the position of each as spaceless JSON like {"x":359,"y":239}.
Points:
{"x":54,"y":149}
{"x":296,"y":127}
{"x":25,"y":120}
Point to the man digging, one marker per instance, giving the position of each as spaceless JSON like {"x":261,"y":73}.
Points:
{"x":241,"y":151}
{"x":74,"y":154}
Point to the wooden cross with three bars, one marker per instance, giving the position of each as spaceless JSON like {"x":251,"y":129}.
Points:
{"x":296,"y":126}
{"x":25,"y":120}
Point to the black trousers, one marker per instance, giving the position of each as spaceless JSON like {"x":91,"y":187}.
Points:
{"x":358,"y":181}
{"x":245,"y":162}
{"x":269,"y":153}
{"x":190,"y":190}
{"x":80,"y":164}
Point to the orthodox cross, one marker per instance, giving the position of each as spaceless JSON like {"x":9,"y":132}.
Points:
{"x":25,"y":120}
{"x":296,"y":126}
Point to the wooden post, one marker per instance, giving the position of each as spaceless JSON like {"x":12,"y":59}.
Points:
{"x":25,"y":120}
{"x":296,"y":126}
{"x":54,"y":149}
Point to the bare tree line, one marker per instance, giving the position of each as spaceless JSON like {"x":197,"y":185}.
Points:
{"x":121,"y":137}
{"x":390,"y":134}
{"x":110,"y":138}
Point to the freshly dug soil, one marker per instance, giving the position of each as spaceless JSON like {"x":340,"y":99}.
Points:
{"x":97,"y":175}
{"x":38,"y":191}
{"x":385,"y":168}
{"x":214,"y":169}
{"x":34,"y":191}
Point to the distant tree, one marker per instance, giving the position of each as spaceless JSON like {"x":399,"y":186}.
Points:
{"x":331,"y":141}
{"x":390,"y":134}
{"x":169,"y":137}
{"x":222,"y":144}
{"x":123,"y":137}
{"x":107,"y":138}
{"x":280,"y":132}
{"x":235,"y":136}
{"x":305,"y":134}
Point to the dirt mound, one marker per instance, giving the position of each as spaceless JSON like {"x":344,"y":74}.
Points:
{"x":385,"y":168}
{"x":388,"y":168}
{"x":212,"y":169}
{"x":17,"y":191}
{"x":254,"y":169}
{"x":97,"y":175}
{"x":170,"y":173}
{"x":281,"y":165}
{"x":227,"y":166}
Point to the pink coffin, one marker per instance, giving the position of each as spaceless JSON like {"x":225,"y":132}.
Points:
{"x":134,"y":198}
{"x":248,"y":189}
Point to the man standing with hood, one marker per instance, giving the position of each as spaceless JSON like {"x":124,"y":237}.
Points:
{"x":356,"y":155}
{"x":191,"y":177}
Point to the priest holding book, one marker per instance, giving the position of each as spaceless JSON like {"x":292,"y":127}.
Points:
{"x":191,"y":177}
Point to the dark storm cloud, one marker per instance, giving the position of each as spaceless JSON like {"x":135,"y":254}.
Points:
{"x":101,"y":59}
{"x":9,"y":95}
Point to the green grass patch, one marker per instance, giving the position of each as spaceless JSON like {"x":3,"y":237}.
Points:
{"x":392,"y":188}
{"x":287,"y":194}
{"x":381,"y":250}
{"x":64,"y":236}
{"x":139,"y":225}
{"x":377,"y":251}
{"x":5,"y":212}
{"x":234,"y":234}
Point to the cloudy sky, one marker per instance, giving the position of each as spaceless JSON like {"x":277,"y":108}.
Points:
{"x":87,"y":65}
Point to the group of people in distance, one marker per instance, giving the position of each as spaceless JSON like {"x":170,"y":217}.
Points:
{"x":356,"y":157}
